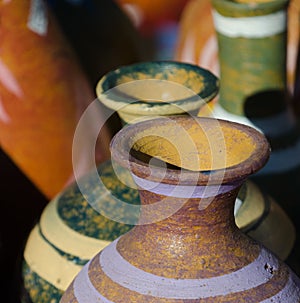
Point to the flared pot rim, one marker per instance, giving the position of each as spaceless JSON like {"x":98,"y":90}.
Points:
{"x":209,"y":89}
{"x":121,"y":153}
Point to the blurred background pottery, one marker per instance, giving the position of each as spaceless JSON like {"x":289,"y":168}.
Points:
{"x":197,"y":39}
{"x":157,"y":22}
{"x":186,"y":246}
{"x":43,"y":93}
{"x":261,"y":98}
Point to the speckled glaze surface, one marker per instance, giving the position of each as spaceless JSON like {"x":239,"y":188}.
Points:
{"x":43,"y":94}
{"x":70,"y":232}
{"x":197,"y":253}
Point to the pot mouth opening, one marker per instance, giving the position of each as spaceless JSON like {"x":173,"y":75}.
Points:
{"x":157,"y":83}
{"x":198,"y":147}
{"x":193,"y":144}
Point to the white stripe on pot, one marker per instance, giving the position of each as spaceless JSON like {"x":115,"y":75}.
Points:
{"x":65,"y":238}
{"x":251,"y":27}
{"x":47,"y":263}
{"x":84,"y":291}
{"x":123,"y":273}
{"x":184,"y":191}
{"x":290,"y":293}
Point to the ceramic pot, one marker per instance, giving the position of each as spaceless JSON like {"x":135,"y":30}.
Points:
{"x":236,"y":33}
{"x":69,"y":233}
{"x":156,"y":88}
{"x":261,"y":97}
{"x":75,"y":224}
{"x":125,"y":91}
{"x":186,"y":247}
{"x":43,"y":94}
{"x":148,"y":15}
{"x":197,"y":39}
{"x":87,"y":23}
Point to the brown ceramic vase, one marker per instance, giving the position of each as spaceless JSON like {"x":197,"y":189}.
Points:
{"x":186,"y":247}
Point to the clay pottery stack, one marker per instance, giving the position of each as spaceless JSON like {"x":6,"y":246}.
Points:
{"x":87,"y":214}
{"x":136,"y":93}
{"x":186,"y":246}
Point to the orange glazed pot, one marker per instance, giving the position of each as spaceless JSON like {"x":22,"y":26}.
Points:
{"x":197,"y":42}
{"x":148,"y":14}
{"x":43,"y":93}
{"x":186,"y":247}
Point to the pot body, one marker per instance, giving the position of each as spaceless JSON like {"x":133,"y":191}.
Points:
{"x":197,"y":38}
{"x":70,"y":232}
{"x":43,"y":94}
{"x":186,"y":246}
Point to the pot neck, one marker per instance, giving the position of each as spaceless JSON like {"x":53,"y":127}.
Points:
{"x":180,"y":207}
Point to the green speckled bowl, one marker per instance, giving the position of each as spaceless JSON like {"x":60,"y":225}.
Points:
{"x":157,"y":88}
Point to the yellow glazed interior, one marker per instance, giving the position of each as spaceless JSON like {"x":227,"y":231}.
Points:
{"x":195,"y":147}
{"x":162,"y":87}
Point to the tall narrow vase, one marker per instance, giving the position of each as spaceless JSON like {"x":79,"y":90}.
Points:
{"x":43,"y":93}
{"x":197,"y":39}
{"x":254,"y":88}
{"x":186,"y":247}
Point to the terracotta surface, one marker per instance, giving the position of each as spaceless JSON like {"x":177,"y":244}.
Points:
{"x":195,"y":253}
{"x":43,"y":94}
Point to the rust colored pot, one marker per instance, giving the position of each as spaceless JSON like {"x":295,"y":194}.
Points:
{"x":43,"y":93}
{"x":186,"y":247}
